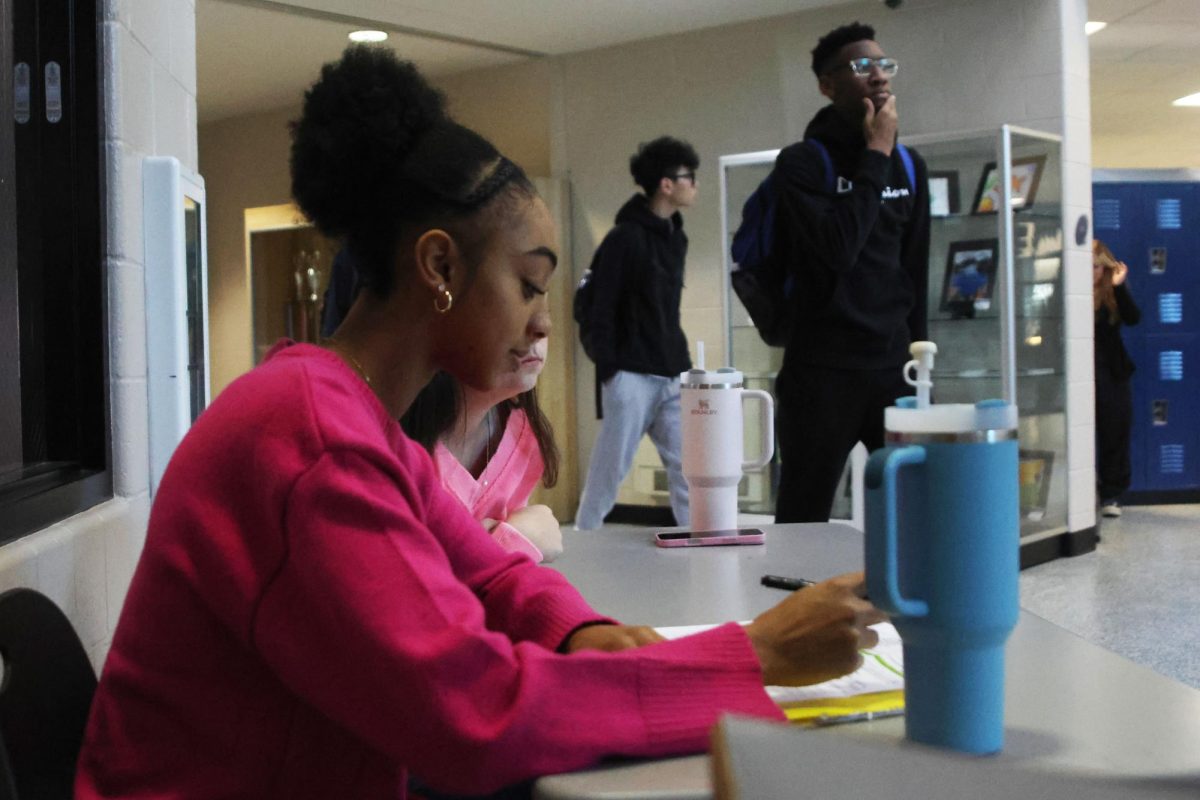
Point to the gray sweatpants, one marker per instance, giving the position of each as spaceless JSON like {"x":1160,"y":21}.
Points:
{"x":634,"y":405}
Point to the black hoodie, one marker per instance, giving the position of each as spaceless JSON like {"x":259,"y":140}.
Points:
{"x":638,"y":277}
{"x":860,"y":255}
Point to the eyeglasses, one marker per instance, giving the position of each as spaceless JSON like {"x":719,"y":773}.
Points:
{"x":691,"y":176}
{"x":861,"y":67}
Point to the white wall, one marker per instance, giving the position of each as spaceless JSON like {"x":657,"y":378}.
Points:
{"x":245,"y":165}
{"x":85,"y":563}
{"x":1077,"y":261}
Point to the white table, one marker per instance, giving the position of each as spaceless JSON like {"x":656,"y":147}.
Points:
{"x":1071,"y":707}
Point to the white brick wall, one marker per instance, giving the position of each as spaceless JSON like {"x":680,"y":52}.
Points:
{"x":85,"y":563}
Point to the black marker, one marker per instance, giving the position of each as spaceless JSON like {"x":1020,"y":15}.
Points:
{"x":788,"y":584}
{"x":791,"y":584}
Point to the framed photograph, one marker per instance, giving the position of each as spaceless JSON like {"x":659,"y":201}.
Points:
{"x":1026,"y":173}
{"x":1036,"y":467}
{"x":970,"y":277}
{"x":943,"y":193}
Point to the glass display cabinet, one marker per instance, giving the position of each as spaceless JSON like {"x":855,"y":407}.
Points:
{"x":995,"y":299}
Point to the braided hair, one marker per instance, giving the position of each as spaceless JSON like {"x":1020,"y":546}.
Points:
{"x":375,"y":157}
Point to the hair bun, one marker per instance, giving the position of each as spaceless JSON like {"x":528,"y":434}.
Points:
{"x":359,"y":123}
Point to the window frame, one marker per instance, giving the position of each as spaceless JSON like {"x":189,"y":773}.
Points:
{"x":61,"y":358}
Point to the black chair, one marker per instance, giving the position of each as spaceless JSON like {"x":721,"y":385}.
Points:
{"x":44,"y":698}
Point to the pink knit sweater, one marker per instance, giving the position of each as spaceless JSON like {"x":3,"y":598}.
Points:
{"x":504,"y":485}
{"x":313,"y":617}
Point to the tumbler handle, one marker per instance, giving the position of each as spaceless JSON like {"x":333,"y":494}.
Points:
{"x":767,"y":430}
{"x":883,"y":583}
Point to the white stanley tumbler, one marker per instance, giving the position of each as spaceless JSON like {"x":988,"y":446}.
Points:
{"x":713,"y":458}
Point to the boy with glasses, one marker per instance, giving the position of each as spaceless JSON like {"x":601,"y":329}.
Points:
{"x":853,"y":232}
{"x":635,"y":336}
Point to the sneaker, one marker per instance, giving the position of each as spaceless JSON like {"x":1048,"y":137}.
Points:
{"x":1110,"y":508}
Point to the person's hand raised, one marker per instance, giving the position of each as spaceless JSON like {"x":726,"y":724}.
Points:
{"x":815,"y":634}
{"x":879,"y":127}
{"x":1120,"y":273}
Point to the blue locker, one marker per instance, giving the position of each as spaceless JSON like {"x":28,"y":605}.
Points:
{"x":1154,"y":227}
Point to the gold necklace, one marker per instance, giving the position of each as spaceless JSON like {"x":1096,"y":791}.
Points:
{"x":354,"y":362}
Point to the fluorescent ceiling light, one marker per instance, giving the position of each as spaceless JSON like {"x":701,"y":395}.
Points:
{"x":1091,"y":27}
{"x":368,"y":36}
{"x":1190,"y":100}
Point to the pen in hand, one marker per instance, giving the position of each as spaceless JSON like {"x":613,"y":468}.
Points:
{"x":791,"y":584}
{"x":787,"y":584}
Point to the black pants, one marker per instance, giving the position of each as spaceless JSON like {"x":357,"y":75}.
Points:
{"x":821,"y":414}
{"x":1114,"y":419}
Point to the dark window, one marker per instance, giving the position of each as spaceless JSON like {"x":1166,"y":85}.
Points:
{"x":54,"y":449}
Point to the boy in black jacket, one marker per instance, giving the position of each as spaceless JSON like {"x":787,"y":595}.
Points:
{"x":859,"y":256}
{"x":636,"y":339}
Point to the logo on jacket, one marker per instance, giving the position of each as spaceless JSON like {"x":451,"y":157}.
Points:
{"x":891,"y":194}
{"x":844,"y":185}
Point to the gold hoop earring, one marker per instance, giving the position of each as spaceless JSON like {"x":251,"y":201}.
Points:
{"x":443,"y":301}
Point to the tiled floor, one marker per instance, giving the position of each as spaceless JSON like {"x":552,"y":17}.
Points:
{"x":1138,"y":594}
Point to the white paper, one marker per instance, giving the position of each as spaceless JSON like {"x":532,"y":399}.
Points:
{"x":882,"y":669}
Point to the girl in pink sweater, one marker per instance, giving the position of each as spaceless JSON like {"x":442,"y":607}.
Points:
{"x":313,"y":616}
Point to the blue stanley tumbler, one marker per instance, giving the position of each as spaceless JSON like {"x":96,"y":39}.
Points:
{"x":942,"y":552}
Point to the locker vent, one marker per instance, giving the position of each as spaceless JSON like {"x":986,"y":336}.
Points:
{"x":1170,"y":365}
{"x":1108,"y":214}
{"x":1158,"y":412}
{"x":1170,"y":457}
{"x":1170,"y":308}
{"x":1170,"y":214}
{"x":1158,"y":260}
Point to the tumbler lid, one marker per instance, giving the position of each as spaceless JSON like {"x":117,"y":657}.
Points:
{"x":723,"y":378}
{"x":986,"y":415}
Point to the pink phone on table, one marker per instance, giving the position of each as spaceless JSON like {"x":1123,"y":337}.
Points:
{"x":703,"y":538}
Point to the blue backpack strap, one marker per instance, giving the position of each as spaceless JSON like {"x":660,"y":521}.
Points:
{"x":831,"y":177}
{"x":909,"y":169}
{"x":830,"y":174}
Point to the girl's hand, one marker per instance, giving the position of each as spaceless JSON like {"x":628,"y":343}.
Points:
{"x":538,"y":525}
{"x":1120,"y":272}
{"x":611,"y":638}
{"x":815,"y":634}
